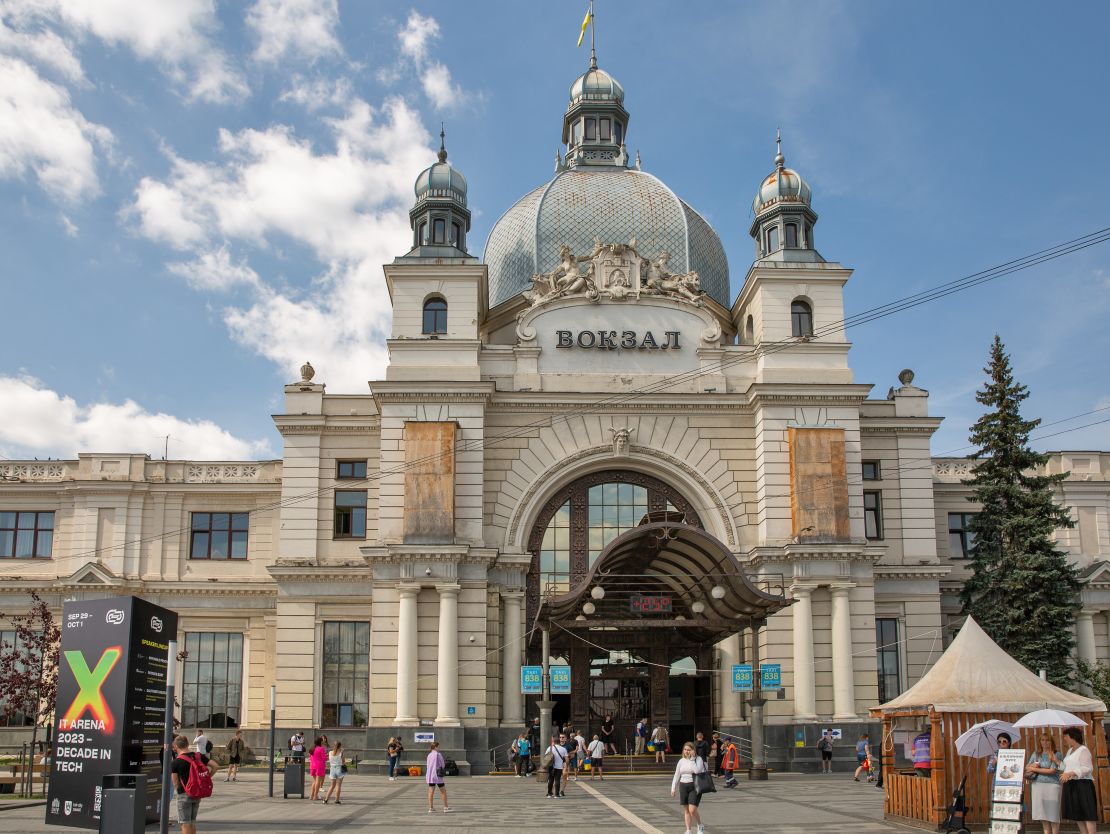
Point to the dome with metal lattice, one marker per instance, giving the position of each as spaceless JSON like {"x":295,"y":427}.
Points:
{"x":614,"y":204}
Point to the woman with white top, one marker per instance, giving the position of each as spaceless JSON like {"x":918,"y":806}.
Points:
{"x":1045,"y":767}
{"x":336,"y":771}
{"x":1078,"y":797}
{"x":685,"y":785}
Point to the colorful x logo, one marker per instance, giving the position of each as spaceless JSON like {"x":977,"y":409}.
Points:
{"x":89,"y":683}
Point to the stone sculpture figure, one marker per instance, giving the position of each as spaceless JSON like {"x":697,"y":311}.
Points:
{"x":660,"y":280}
{"x":621,"y":439}
{"x":564,"y":279}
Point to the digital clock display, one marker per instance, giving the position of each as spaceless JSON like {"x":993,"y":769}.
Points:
{"x":651,"y":604}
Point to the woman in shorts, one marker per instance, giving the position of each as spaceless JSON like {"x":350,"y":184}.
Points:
{"x":317,"y":767}
{"x":435,"y":767}
{"x":336,"y":768}
{"x":685,"y":786}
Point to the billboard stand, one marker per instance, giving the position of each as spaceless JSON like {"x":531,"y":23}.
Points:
{"x":167,"y":757}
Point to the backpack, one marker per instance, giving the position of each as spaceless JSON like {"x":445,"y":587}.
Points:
{"x":450,"y":768}
{"x":199,"y":783}
{"x":208,"y":748}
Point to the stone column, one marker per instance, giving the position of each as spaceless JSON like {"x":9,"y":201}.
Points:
{"x":1085,"y":635}
{"x":844,"y":687}
{"x":406,"y":656}
{"x":447,"y":711}
{"x":730,"y":701}
{"x":512,"y":701}
{"x":805,"y":697}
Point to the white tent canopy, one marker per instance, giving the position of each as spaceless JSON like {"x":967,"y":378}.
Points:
{"x":975,"y":675}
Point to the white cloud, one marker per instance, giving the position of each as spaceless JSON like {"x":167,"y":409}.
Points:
{"x":415,"y":36}
{"x":42,"y":133}
{"x":44,"y":47}
{"x":436,"y":80}
{"x":175,"y":34}
{"x":215,"y":270}
{"x":38,"y":422}
{"x":317,"y":93}
{"x":302,"y":27}
{"x":347,"y":205}
{"x":69,"y":226}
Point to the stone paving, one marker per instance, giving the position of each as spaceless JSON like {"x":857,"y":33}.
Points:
{"x":786,"y":804}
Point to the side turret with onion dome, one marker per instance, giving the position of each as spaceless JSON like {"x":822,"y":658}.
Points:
{"x":784,"y":219}
{"x":440,"y":219}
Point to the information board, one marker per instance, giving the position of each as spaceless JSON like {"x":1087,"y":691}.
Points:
{"x":742,"y":677}
{"x":1006,"y":805}
{"x":110,"y":706}
{"x":560,"y":680}
{"x":531,"y":680}
{"x":770,"y":677}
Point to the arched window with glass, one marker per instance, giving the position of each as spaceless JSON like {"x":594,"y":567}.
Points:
{"x":801,"y":318}
{"x":583,"y":518}
{"x":435,"y":316}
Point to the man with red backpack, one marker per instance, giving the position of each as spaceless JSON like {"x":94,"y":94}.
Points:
{"x":192,"y":779}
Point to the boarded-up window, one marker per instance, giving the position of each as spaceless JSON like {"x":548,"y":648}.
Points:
{"x":430,"y":483}
{"x":818,"y":486}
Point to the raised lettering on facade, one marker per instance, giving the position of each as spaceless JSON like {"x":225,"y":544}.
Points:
{"x":609,"y":340}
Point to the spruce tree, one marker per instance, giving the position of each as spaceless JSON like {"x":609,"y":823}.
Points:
{"x":1022,"y":591}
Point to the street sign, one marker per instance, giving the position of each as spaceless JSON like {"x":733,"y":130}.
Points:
{"x":560,"y":680}
{"x":531,"y":680}
{"x":742,"y":677}
{"x":770,"y":677}
{"x":423,"y":738}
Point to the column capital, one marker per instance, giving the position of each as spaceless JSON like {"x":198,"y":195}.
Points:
{"x":803,"y":588}
{"x":408,"y":589}
{"x":839,"y":589}
{"x":448,"y":590}
{"x":515,"y":594}
{"x":1086,"y":614}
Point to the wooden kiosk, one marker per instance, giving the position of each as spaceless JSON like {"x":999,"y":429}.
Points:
{"x":974,"y":680}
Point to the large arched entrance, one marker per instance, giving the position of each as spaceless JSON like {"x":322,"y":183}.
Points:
{"x":634,"y":594}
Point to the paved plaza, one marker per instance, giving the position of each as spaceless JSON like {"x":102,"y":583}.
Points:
{"x":787,"y":804}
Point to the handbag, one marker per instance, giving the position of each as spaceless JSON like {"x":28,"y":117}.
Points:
{"x":548,"y":760}
{"x":441,"y":772}
{"x":703,"y":781}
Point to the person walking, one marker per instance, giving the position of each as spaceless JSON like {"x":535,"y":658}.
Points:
{"x":659,"y":742}
{"x":568,"y":741}
{"x":701,"y":747}
{"x":393,"y":756}
{"x":555,"y":759}
{"x":201,"y":744}
{"x":436,"y":768}
{"x":730,"y":763}
{"x":1077,"y":797}
{"x":641,"y":735}
{"x":188,"y":776}
{"x":597,"y":756}
{"x":337,"y":769}
{"x":684,"y":784}
{"x":863,"y":753}
{"x":234,"y":756}
{"x":317,"y":767}
{"x":608,"y":735}
{"x":579,"y":757}
{"x":1045,"y":765}
{"x":523,"y":755}
{"x":717,"y":749}
{"x":825,"y":748}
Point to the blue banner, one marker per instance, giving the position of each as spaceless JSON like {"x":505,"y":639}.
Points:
{"x":742,"y":677}
{"x":531,"y":680}
{"x":560,"y":680}
{"x":770,"y":676}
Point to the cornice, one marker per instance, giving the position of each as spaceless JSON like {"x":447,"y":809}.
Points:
{"x":453,"y":554}
{"x":852,"y":551}
{"x":912,"y":571}
{"x":804,"y":394}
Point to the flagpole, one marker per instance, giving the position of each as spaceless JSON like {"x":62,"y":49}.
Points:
{"x":593,"y":34}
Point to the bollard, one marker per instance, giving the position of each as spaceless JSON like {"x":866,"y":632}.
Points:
{"x":123,"y":808}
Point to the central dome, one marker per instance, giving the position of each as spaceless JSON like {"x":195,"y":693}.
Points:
{"x":613,"y":203}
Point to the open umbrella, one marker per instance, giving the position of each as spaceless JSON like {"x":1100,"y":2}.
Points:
{"x":981,"y":740}
{"x":1050,"y":718}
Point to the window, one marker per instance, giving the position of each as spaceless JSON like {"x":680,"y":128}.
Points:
{"x":439,"y":230}
{"x":772,"y":239}
{"x":960,"y":538}
{"x":749,"y":331}
{"x":12,"y":717}
{"x":456,"y":235}
{"x":591,"y":128}
{"x":435,"y":316}
{"x":26,"y":535}
{"x":211,"y":692}
{"x":791,"y":236}
{"x":219,"y":536}
{"x":603,"y":127}
{"x":809,"y":236}
{"x":889,"y":659}
{"x":351,"y":469}
{"x":801,"y":319}
{"x":618,"y":132}
{"x":346,"y":675}
{"x":350,"y":514}
{"x":873,"y":515}
{"x":871,"y":471}
{"x":422,"y":235}
{"x":576,"y":137}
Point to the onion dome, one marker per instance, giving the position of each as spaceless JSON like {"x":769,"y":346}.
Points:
{"x":441,"y":179}
{"x":781,"y":185}
{"x":596,"y":85}
{"x":440,"y":219}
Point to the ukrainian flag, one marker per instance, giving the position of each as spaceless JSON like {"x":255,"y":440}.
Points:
{"x":586,"y":23}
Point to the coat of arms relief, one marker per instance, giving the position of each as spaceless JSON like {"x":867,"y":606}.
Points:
{"x":615,"y":271}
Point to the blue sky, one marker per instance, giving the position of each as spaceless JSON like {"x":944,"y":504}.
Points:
{"x":196,"y":197}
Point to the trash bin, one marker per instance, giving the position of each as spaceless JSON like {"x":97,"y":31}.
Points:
{"x":294,"y":777}
{"x":123,"y":803}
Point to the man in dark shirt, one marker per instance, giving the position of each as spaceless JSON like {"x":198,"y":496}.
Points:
{"x":187,"y":806}
{"x":607,"y":735}
{"x":701,"y":748}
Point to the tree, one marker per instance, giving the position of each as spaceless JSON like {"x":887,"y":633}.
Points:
{"x":1094,"y":678}
{"x":29,"y":665}
{"x":1022,"y":591}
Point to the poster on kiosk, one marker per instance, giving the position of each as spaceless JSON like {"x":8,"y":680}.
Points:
{"x":110,"y":712}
